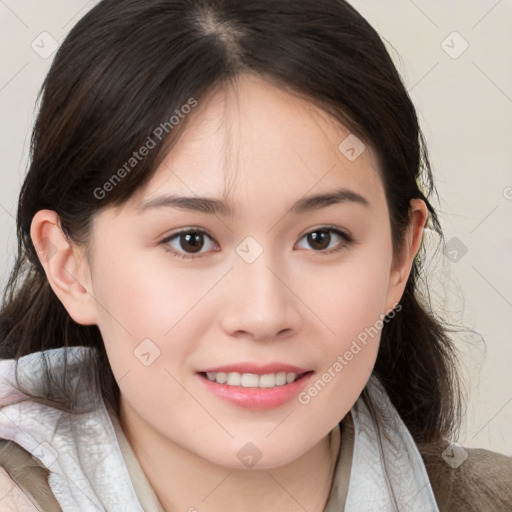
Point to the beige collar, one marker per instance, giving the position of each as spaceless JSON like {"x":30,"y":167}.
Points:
{"x":343,"y":436}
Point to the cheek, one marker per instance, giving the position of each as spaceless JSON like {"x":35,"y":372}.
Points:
{"x":142,"y":299}
{"x":144,"y":318}
{"x":351,"y":303}
{"x":148,"y":336}
{"x":350,"y":297}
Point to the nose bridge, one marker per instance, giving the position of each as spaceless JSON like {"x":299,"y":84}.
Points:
{"x":260,"y":303}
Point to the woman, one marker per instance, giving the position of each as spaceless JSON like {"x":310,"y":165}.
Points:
{"x":219,"y":247}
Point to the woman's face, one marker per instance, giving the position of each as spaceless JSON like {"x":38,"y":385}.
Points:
{"x":284,"y":285}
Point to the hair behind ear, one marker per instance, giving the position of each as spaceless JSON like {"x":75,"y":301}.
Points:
{"x":417,"y":366}
{"x":32,"y":320}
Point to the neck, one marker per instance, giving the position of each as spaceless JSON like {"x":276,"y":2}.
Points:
{"x":199,"y":484}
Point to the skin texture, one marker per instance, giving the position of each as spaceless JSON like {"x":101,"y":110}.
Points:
{"x":294,"y":304}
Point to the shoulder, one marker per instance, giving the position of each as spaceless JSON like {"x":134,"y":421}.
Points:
{"x":23,"y":483}
{"x":468,"y":479}
{"x":12,"y":498}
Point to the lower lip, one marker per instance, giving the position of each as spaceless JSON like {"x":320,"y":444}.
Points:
{"x":257,"y":398}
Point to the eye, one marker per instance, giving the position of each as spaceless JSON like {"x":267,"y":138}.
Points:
{"x":188,"y":240}
{"x":320,"y":239}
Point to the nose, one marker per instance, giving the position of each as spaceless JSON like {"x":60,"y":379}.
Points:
{"x":261,"y":304}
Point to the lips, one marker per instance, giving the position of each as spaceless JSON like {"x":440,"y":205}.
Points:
{"x":257,"y":369}
{"x":254,"y":386}
{"x":250,"y":375}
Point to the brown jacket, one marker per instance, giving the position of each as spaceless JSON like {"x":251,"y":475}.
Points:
{"x":482,"y":483}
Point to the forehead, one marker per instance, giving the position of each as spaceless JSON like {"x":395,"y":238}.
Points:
{"x":252,"y":136}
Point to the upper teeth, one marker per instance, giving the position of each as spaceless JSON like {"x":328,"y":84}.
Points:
{"x":252,"y":380}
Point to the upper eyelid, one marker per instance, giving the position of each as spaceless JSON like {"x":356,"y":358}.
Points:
{"x":310,"y":230}
{"x":187,"y":230}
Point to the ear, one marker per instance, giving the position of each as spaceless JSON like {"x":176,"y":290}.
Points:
{"x":401,"y":267}
{"x":65,"y":266}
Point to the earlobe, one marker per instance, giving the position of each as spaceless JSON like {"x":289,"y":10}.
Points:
{"x":418,"y":216}
{"x":66,"y":270}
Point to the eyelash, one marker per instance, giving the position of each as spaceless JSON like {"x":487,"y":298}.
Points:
{"x":349,"y":240}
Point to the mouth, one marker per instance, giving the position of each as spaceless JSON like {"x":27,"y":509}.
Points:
{"x":255,"y":390}
{"x":253,"y":380}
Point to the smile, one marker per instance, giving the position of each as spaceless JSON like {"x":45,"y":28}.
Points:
{"x":252,"y":380}
{"x":249,"y":390}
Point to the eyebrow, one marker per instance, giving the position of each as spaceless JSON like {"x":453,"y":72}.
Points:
{"x":216,"y":207}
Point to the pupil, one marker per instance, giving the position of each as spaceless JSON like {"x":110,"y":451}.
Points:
{"x":194,"y":241}
{"x":314,"y":238}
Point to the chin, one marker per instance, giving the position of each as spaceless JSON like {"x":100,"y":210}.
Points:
{"x":255,"y":455}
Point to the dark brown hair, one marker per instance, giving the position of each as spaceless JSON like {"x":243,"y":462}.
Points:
{"x":127,"y":67}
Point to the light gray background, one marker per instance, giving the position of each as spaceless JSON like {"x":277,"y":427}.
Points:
{"x":464,"y":99}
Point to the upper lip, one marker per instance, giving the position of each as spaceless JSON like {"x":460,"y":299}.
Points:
{"x":258,"y":369}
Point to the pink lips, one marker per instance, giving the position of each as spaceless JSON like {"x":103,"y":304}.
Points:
{"x":256,"y":398}
{"x":257,"y":369}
